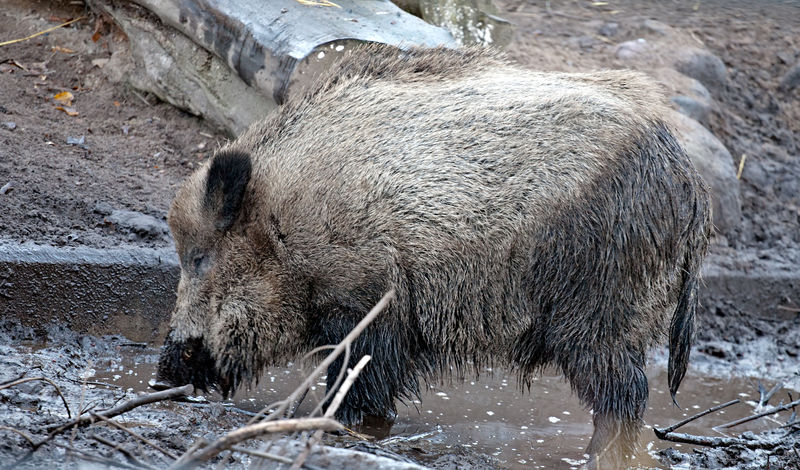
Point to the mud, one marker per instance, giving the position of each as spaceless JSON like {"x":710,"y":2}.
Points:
{"x":135,"y":150}
{"x":485,"y":423}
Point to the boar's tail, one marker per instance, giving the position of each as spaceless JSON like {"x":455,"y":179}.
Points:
{"x":681,"y":330}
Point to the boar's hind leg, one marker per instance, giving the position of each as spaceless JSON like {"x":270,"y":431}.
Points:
{"x":611,"y":380}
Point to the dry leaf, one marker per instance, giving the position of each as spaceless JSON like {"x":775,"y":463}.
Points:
{"x":64,"y":98}
{"x":69,"y":111}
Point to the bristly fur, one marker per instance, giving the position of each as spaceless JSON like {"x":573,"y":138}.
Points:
{"x":522,"y":217}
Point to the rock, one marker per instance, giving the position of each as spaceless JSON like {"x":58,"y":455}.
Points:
{"x":586,"y":42}
{"x":103,"y":208}
{"x":100,"y":63}
{"x":609,"y":29}
{"x":702,"y":65}
{"x":233,"y":61}
{"x":786,"y":57}
{"x":696,"y":109}
{"x":791,"y":79}
{"x":716,"y":166}
{"x":137,"y":223}
{"x":10,"y":125}
{"x":631,"y":49}
{"x":658,"y":27}
{"x":679,"y":84}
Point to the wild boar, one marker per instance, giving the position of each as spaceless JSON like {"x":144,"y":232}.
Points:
{"x":523,"y":218}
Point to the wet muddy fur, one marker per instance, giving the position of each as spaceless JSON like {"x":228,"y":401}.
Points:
{"x":581,"y":253}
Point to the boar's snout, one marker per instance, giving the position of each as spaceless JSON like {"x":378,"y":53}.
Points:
{"x":188,"y":362}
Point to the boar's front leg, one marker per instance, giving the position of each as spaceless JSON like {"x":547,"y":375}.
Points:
{"x":388,"y":376}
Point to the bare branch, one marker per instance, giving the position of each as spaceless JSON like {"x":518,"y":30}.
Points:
{"x":191,"y":458}
{"x":337,"y":400}
{"x":127,"y":406}
{"x":759,"y":415}
{"x":721,"y":441}
{"x":330,"y":358}
{"x":661,"y":432}
{"x":17,"y":431}
{"x":44,"y":379}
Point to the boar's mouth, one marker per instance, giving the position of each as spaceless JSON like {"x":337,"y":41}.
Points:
{"x":190,"y":362}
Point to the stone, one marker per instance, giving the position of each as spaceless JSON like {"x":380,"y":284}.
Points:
{"x":786,"y":57}
{"x":103,"y":208}
{"x":679,"y":84}
{"x":137,"y":223}
{"x":657,"y":27}
{"x":609,"y":29}
{"x":716,"y":166}
{"x":10,"y":125}
{"x":696,"y":109}
{"x":233,"y":61}
{"x":629,"y":50}
{"x":703,"y":66}
{"x":791,"y":78}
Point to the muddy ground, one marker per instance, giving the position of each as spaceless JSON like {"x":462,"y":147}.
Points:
{"x":104,"y":177}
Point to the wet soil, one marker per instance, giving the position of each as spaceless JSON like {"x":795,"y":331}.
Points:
{"x":136,"y":150}
{"x":483,"y":423}
{"x":130,"y":151}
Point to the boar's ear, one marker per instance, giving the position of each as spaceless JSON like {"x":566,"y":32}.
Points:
{"x":227,"y":179}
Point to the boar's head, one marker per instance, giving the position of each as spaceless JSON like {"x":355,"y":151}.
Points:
{"x":232,"y":316}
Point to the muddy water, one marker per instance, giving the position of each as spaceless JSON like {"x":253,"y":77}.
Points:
{"x":544,"y":428}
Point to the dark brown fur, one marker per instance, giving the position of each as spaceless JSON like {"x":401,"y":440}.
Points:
{"x":522,"y":217}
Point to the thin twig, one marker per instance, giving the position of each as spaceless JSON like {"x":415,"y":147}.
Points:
{"x":661,"y":432}
{"x":337,"y":400}
{"x":758,"y":415}
{"x":709,"y":441}
{"x":128,"y":455}
{"x":131,"y":404}
{"x":138,"y":95}
{"x":12,"y":380}
{"x":44,"y":379}
{"x":110,"y":413}
{"x":191,"y":458}
{"x":764,"y":398}
{"x":336,"y":384}
{"x":5,"y":43}
{"x":27,"y":437}
{"x":137,"y":436}
{"x":330,"y":358}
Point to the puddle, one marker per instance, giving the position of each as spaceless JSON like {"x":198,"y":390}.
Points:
{"x":544,"y":428}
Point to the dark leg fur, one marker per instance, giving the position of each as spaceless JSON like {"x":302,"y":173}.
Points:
{"x":389,"y":374}
{"x":612,"y":382}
